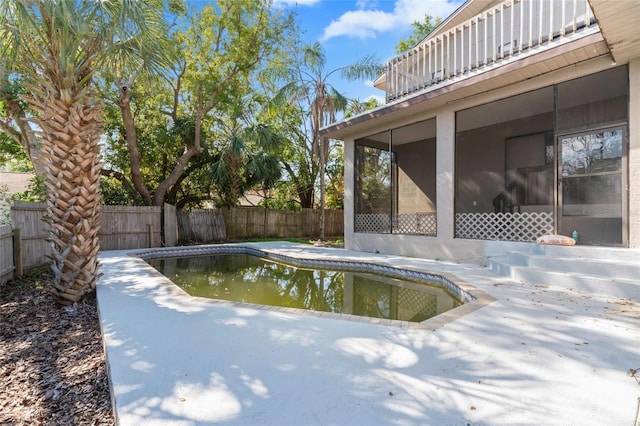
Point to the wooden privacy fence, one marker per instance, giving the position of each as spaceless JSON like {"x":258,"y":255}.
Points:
{"x":27,"y":217}
{"x":251,"y":222}
{"x":202,"y":225}
{"x":238,"y":223}
{"x":6,"y":253}
{"x":126,"y":227}
{"x":123,"y":227}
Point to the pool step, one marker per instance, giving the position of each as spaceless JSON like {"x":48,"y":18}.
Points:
{"x":607,"y":272}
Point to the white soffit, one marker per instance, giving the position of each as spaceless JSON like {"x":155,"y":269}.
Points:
{"x":619,"y":22}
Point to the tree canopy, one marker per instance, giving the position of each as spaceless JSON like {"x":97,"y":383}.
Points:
{"x":307,"y":89}
{"x":182,"y":94}
{"x":421,"y":29}
{"x":172,"y":128}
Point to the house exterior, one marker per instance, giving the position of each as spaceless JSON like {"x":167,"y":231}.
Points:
{"x":511,"y":120}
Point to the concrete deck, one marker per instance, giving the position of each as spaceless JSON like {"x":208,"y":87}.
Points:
{"x":538,"y":355}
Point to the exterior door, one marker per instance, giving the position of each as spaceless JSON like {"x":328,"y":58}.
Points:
{"x":592,"y":186}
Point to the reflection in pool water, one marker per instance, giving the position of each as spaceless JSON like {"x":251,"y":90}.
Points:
{"x":251,"y":279}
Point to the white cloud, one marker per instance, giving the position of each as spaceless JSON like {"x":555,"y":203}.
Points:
{"x":367,"y":23}
{"x":360,"y":24}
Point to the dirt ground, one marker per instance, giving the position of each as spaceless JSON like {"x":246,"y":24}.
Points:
{"x":52,"y":363}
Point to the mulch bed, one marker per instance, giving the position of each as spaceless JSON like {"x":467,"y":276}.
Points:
{"x":52,"y":363}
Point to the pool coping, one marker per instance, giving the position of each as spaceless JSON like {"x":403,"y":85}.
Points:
{"x":473,"y":297}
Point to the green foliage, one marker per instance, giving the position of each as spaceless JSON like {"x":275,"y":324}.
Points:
{"x":89,"y":35}
{"x":12,"y":156}
{"x":36,"y":192}
{"x":355,"y":106}
{"x":190,"y":123}
{"x":374,"y":192}
{"x":246,"y":161}
{"x":420,"y":31}
{"x":113,"y":193}
{"x":304,"y":102}
{"x":283,"y":197}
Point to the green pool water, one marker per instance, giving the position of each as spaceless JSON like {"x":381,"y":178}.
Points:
{"x":251,"y":279}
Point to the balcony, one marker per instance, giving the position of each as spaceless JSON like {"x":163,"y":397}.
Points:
{"x":499,"y":35}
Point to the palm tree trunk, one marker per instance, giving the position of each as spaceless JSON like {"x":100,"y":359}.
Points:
{"x":71,"y":132}
{"x":322,"y":187}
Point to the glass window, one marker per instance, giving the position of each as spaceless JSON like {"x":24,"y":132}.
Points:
{"x":592,"y":174}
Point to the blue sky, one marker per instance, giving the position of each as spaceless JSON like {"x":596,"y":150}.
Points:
{"x":351,"y":29}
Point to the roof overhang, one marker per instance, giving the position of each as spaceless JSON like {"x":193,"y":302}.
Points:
{"x":567,"y":54}
{"x":619,"y":22}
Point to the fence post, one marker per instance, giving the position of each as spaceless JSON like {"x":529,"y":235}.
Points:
{"x":150,"y":228}
{"x":264,"y":229}
{"x":17,"y":253}
{"x":169,"y":221}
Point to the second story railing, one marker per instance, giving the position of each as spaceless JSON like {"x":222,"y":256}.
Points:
{"x":502,"y":32}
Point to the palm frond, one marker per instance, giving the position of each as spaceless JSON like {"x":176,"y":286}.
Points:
{"x":314,"y":56}
{"x":366,"y":68}
{"x":265,"y":137}
{"x":264,"y":169}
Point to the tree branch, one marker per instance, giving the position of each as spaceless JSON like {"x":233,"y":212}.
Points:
{"x":119,"y":177}
{"x":124,"y":102}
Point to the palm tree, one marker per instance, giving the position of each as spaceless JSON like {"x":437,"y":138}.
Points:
{"x":246,"y":160}
{"x":310,"y":83}
{"x":356,"y":106}
{"x":56,"y":46}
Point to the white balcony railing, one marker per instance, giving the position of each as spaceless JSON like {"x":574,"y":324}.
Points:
{"x":503,"y":32}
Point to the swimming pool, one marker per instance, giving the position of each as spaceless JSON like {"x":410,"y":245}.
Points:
{"x":251,"y":279}
{"x":343,"y":288}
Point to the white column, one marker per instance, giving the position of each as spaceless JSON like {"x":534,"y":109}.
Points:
{"x":445,"y":158}
{"x":349,"y":190}
{"x":634,"y":153}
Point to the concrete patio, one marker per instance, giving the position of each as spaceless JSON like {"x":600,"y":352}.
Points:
{"x":538,"y":354}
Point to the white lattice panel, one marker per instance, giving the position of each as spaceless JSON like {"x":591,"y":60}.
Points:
{"x":413,"y":223}
{"x":378,"y":223}
{"x":504,"y":226}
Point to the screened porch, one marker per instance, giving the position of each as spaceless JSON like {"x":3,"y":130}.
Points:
{"x":395,"y":181}
{"x":543,"y":162}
